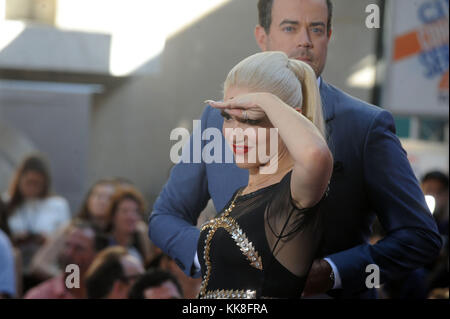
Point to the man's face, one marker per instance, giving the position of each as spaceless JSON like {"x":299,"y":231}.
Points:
{"x":132,"y":269}
{"x":79,"y":249}
{"x":299,"y":29}
{"x":434,"y":188}
{"x":167,"y":290}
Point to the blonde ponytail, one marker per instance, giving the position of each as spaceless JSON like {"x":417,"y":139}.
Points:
{"x":311,"y":104}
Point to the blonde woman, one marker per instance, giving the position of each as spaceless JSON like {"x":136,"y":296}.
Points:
{"x":264,"y":241}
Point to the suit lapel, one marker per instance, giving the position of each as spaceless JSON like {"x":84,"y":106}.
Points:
{"x":327,"y":98}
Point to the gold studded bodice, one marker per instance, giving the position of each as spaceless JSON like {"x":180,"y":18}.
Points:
{"x":236,"y":248}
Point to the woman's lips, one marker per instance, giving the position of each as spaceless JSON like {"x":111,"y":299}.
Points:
{"x":240,"y":149}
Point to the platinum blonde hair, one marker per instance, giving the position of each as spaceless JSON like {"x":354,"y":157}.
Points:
{"x":293,"y":81}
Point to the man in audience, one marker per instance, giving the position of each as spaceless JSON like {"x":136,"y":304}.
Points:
{"x":112,"y":274}
{"x":435,"y":183}
{"x":82,"y":244}
{"x":156,"y":284}
{"x":190,"y":286}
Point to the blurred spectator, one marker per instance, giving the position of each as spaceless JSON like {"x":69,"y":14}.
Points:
{"x":439,"y":293}
{"x":435,"y":183}
{"x":33,"y":213}
{"x":32,"y":210}
{"x":156,"y":284}
{"x":141,"y":237}
{"x":96,"y":204}
{"x":112,"y":274}
{"x":82,"y":243}
{"x":190,"y":286}
{"x":7,"y":270}
{"x":93,"y":209}
{"x":126,"y":225}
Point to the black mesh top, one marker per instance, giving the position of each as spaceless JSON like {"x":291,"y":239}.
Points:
{"x":260,"y":245}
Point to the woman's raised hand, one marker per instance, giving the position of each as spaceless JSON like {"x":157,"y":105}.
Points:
{"x":246,"y":106}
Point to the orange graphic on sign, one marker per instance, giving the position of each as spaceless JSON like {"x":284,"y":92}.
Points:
{"x":407,"y":45}
{"x":443,"y":85}
{"x":425,"y":38}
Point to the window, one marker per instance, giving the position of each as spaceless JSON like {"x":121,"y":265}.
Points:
{"x":403,"y":126}
{"x":432,"y":129}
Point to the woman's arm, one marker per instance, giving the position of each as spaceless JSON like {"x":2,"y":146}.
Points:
{"x":313,"y":161}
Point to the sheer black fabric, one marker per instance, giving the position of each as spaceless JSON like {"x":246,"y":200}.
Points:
{"x":268,"y":249}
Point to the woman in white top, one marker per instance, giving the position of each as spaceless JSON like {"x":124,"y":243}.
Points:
{"x":33,"y":213}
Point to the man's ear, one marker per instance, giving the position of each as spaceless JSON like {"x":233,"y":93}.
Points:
{"x":298,"y":109}
{"x":261,"y":37}
{"x":329,"y":34}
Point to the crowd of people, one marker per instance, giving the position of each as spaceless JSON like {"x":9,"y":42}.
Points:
{"x":100,"y":251}
{"x":108,"y":243}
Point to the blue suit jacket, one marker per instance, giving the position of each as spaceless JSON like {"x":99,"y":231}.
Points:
{"x":371,"y":176}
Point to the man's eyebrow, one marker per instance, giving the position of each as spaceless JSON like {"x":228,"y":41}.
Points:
{"x":316,"y":24}
{"x":285,"y":21}
{"x":312,"y":24}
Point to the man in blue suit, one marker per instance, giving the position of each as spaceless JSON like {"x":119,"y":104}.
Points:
{"x":371,"y":176}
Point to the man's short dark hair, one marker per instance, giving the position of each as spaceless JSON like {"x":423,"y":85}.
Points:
{"x":104,"y":271}
{"x":265,"y":14}
{"x":152,"y":278}
{"x":436,"y":175}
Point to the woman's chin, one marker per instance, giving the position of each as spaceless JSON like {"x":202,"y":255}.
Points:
{"x":246,"y":165}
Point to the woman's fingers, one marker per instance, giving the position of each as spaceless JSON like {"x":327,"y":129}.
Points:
{"x":236,"y":112}
{"x":241,"y":107}
{"x":242,"y":102}
{"x":219,"y":105}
